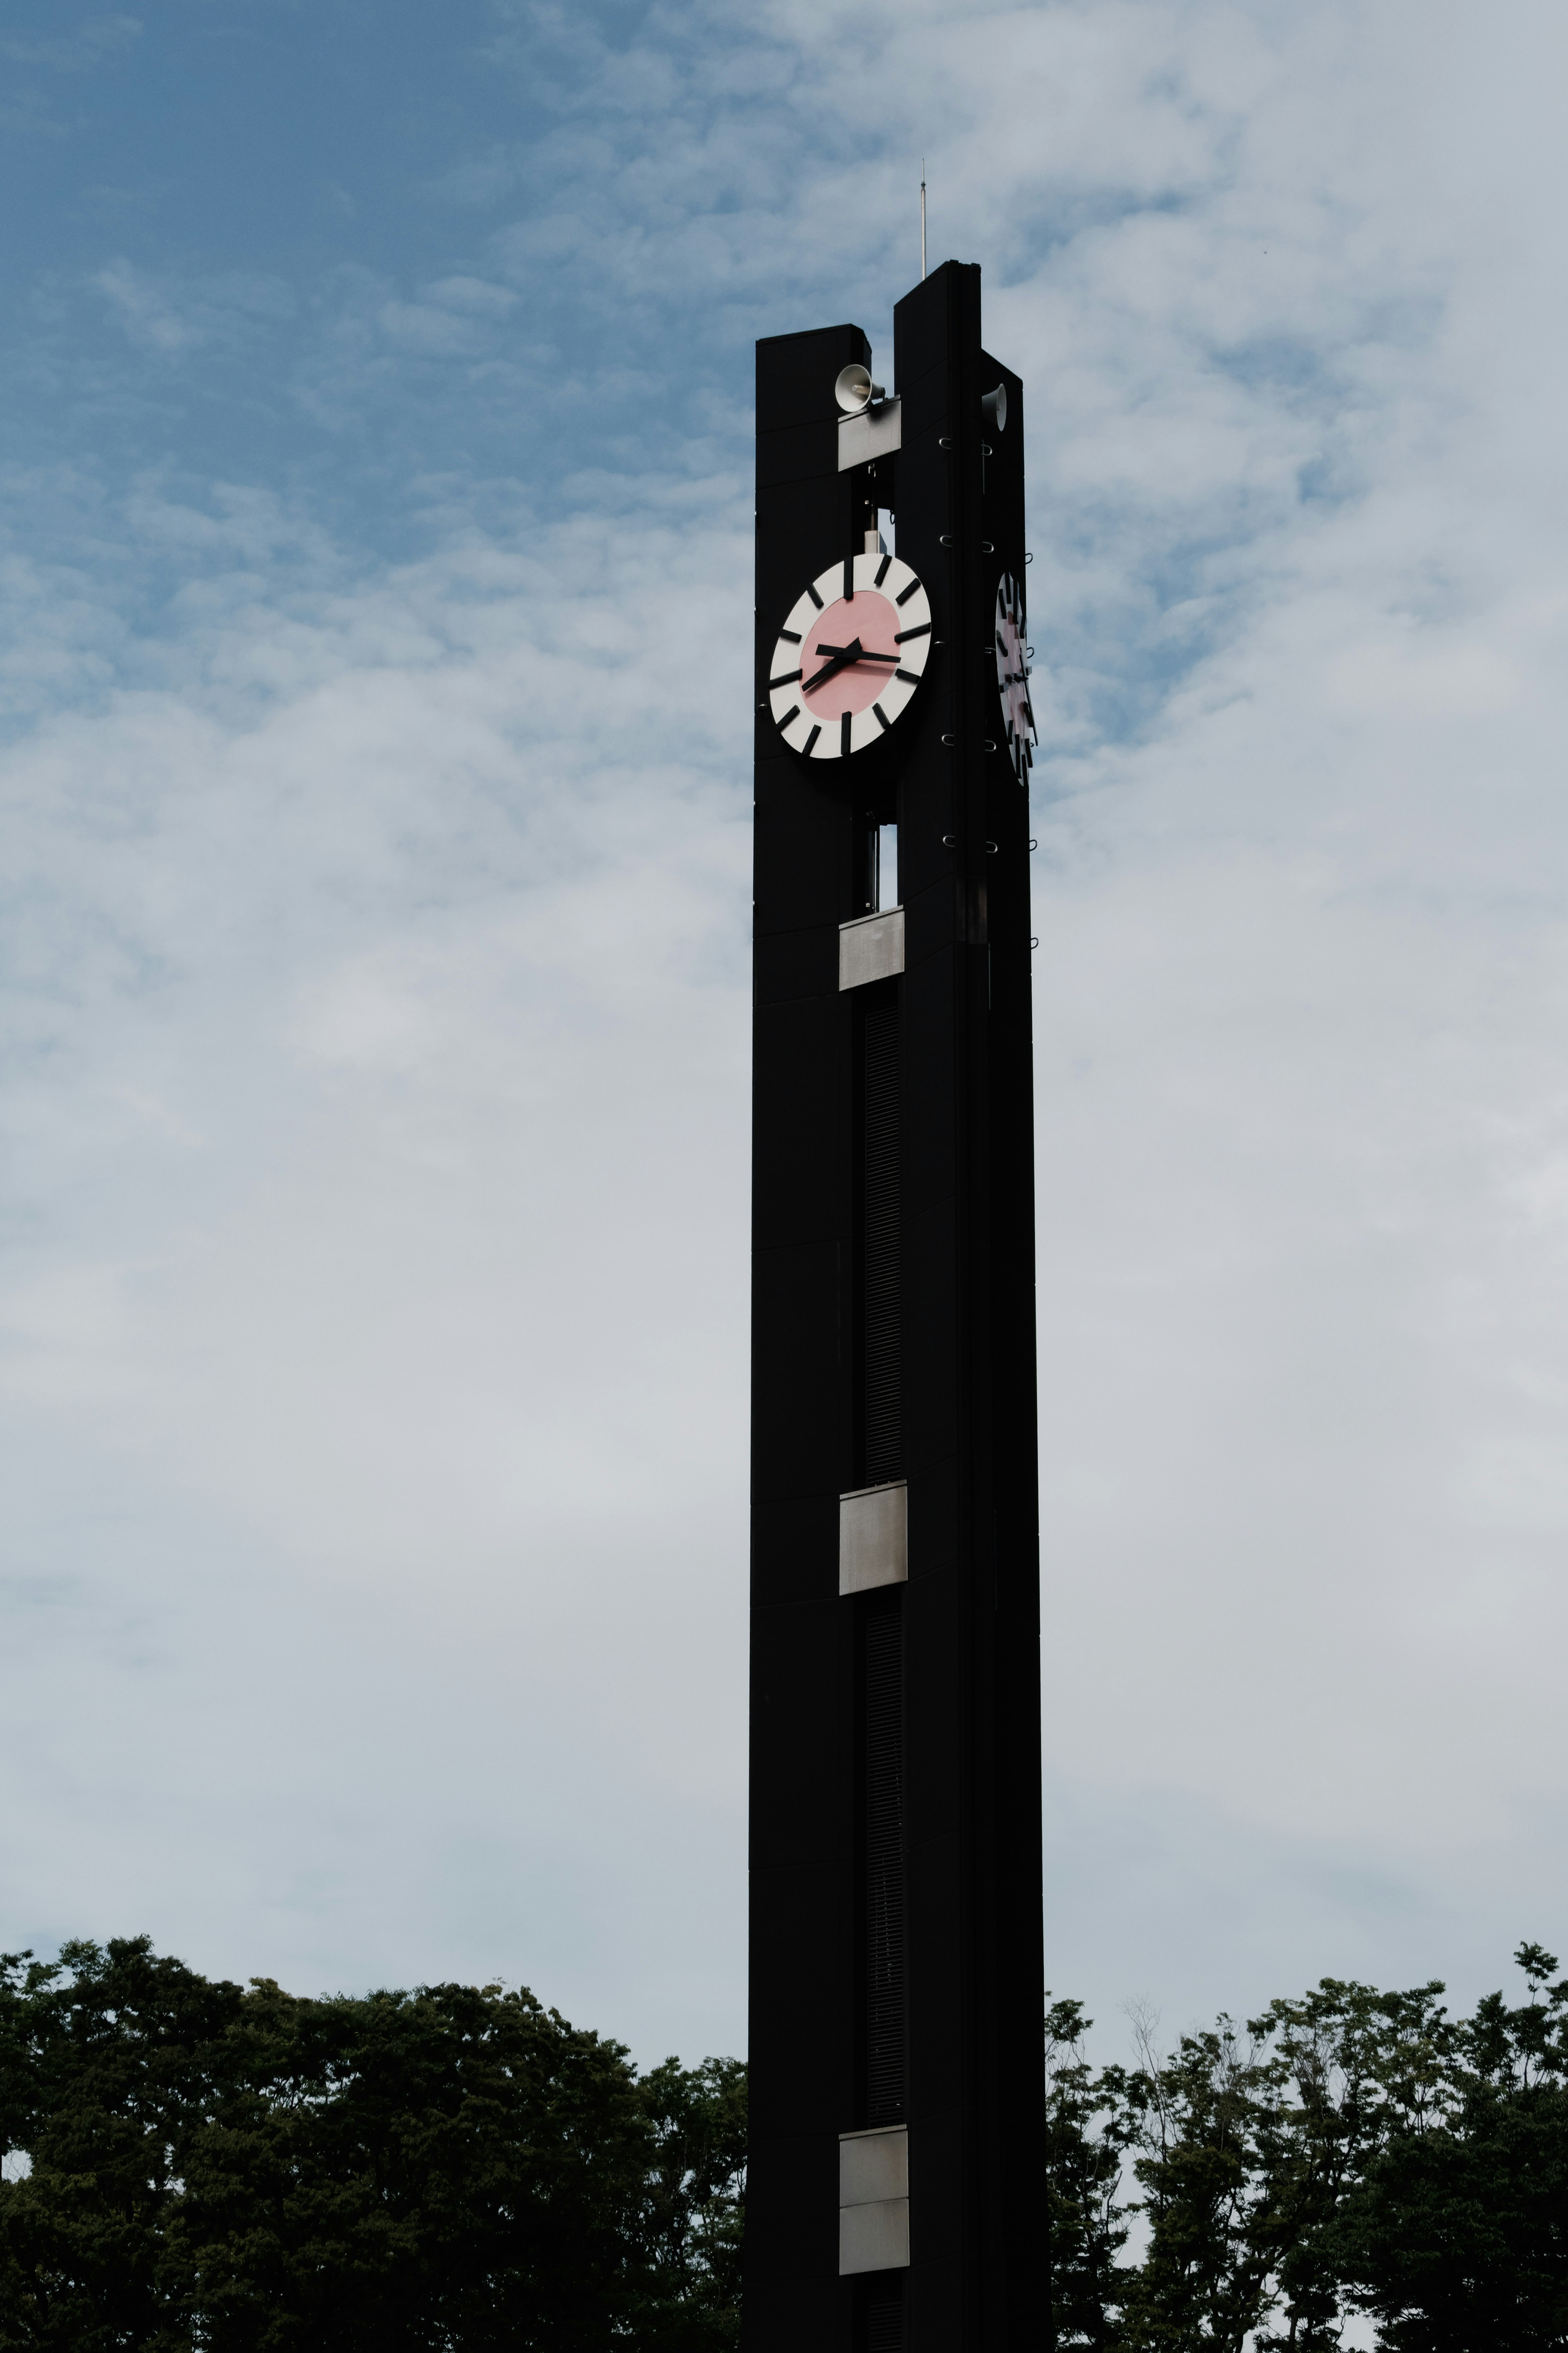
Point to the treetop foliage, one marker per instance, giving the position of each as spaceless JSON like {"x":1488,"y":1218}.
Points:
{"x":1350,"y":2152}
{"x":194,"y":2164}
{"x":213,"y":2165}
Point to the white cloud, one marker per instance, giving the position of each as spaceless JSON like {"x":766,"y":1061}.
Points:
{"x":169,"y":315}
{"x":368,"y":1238}
{"x":143,"y":310}
{"x":92,"y":41}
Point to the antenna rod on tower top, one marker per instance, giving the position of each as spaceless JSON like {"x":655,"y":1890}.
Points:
{"x":922,"y":216}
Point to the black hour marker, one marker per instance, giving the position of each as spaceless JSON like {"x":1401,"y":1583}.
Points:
{"x":909,"y":677}
{"x":850,"y":580}
{"x":844,"y":736}
{"x":787,"y":680}
{"x":881,"y":571}
{"x":810,"y":740}
{"x":811,"y":592}
{"x":905,"y":635}
{"x":793,"y":712}
{"x":881,"y":713}
{"x":793,"y":635}
{"x":904,"y":597}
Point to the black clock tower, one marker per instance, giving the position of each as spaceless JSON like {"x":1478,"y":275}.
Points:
{"x":896,"y":2197}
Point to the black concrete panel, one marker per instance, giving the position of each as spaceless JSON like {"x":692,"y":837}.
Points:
{"x":798,"y":1136}
{"x":794,"y":1684}
{"x":796,"y":1405}
{"x":794,"y":1550}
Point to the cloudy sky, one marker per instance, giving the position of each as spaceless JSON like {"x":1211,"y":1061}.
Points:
{"x":373,"y":963}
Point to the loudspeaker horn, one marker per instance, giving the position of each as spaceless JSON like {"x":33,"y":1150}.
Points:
{"x":854,"y":390}
{"x":994,"y":405}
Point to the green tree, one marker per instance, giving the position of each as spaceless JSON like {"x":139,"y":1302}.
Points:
{"x":1089,"y":2124}
{"x":240,"y":2170}
{"x":103,"y":2073}
{"x":1350,"y":2150}
{"x":695,"y":2205}
{"x":1348,"y":2064}
{"x":1457,"y":2236}
{"x":1201,"y":2117}
{"x":245,"y":2170}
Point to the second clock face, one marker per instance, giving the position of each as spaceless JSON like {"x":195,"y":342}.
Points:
{"x":1013,"y":675}
{"x":849,"y":656}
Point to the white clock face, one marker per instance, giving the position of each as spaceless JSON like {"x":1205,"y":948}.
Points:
{"x":849,"y":657}
{"x":1012,"y":674}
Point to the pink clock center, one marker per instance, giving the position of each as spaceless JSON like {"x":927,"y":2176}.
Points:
{"x":855,"y":686}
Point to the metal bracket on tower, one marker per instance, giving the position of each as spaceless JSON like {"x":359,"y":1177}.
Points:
{"x":875,"y":432}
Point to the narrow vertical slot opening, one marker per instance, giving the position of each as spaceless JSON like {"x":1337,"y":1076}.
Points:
{"x":886,"y":856}
{"x":878,"y":866}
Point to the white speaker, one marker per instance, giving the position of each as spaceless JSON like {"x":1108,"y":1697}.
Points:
{"x":854,"y":390}
{"x":994,"y":404}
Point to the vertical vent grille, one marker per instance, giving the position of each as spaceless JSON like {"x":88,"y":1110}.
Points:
{"x":884,"y":1437}
{"x":885,"y":1862}
{"x":883,"y":2329}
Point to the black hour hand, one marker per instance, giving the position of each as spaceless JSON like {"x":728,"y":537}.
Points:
{"x":841,"y":655}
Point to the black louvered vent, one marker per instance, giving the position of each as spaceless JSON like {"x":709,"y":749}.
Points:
{"x":884,"y":2328}
{"x":884,"y":1656}
{"x":884,"y":1435}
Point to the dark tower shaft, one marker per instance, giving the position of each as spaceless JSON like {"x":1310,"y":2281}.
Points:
{"x":896,"y":1968}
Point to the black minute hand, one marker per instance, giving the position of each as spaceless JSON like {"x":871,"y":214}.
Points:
{"x":862,"y":656}
{"x":843,"y":655}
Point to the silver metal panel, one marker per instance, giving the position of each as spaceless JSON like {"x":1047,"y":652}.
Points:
{"x":871,"y":948}
{"x":874,"y":1538}
{"x":875,"y":433}
{"x":874,"y":2166}
{"x":874,"y":2238}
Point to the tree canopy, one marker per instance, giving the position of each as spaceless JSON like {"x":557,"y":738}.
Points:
{"x":238,"y":2168}
{"x":1347,"y":2153}
{"x":194,"y":2164}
